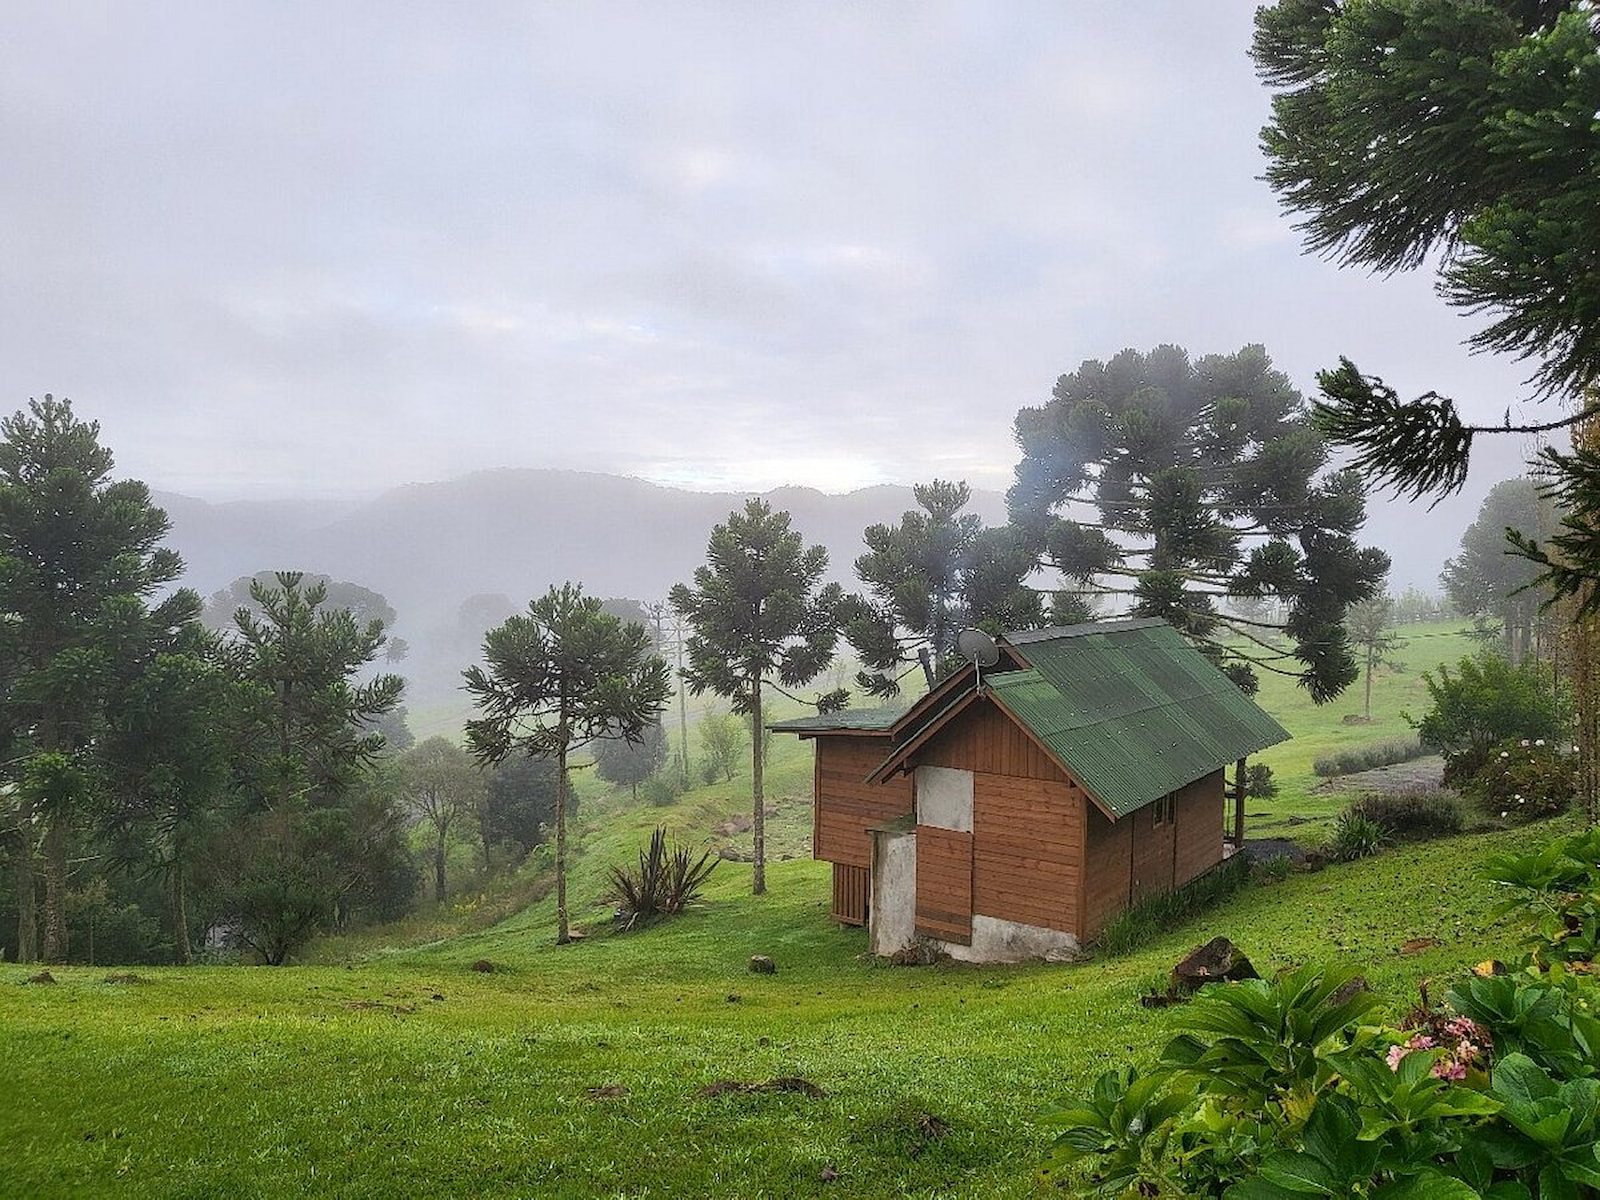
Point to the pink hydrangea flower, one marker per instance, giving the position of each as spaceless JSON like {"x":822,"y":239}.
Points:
{"x":1449,"y":1068}
{"x":1396,"y":1053}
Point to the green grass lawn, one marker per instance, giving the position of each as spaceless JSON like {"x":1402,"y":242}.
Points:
{"x":389,"y":1067}
{"x":411,"y":1074}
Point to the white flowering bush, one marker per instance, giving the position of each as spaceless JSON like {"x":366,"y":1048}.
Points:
{"x":1526,"y":779}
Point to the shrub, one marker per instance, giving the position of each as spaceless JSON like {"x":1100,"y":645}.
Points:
{"x":1557,"y":890}
{"x":1384,"y":753}
{"x":1355,"y":836}
{"x":1526,"y":780}
{"x":664,"y":883}
{"x":1411,"y":816}
{"x":1259,"y":783}
{"x":1484,"y":703}
{"x":1136,"y":925}
{"x":662,"y":788}
{"x":722,"y":741}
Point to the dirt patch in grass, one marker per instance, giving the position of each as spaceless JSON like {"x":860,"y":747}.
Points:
{"x":398,"y":1010}
{"x":784,"y":1083}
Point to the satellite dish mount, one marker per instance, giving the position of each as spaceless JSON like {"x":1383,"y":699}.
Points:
{"x":978,"y":648}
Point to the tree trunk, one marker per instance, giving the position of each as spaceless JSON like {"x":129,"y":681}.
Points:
{"x":1367,"y":711}
{"x":27,"y":921}
{"x":563,"y":934}
{"x":927,"y":666}
{"x":438,"y":870}
{"x":759,"y":816}
{"x":181,"y":950}
{"x":683,"y":713}
{"x":55,"y":886}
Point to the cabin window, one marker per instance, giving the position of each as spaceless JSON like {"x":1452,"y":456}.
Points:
{"x":1162,"y":810}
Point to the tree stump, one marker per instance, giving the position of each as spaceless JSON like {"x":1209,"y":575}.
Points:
{"x":1218,"y":961}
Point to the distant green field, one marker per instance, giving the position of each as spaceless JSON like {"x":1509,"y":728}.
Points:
{"x":392,"y":1068}
{"x":1318,"y":729}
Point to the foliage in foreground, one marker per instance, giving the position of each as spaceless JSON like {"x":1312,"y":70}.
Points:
{"x":1286,"y":1089}
{"x":663,"y":884}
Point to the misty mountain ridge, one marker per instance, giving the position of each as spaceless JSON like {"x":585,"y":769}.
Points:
{"x":513,"y":532}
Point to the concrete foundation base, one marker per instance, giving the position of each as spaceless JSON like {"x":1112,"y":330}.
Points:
{"x":997,"y":941}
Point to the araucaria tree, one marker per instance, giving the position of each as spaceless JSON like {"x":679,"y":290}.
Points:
{"x":312,"y":835}
{"x":758,"y":608}
{"x":165,"y":761}
{"x":309,"y":726}
{"x":1180,"y":483}
{"x":558,"y":677}
{"x":1404,"y":129}
{"x":80,"y":555}
{"x":935,"y":572}
{"x":1371,"y":626}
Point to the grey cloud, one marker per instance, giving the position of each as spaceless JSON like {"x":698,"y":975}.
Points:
{"x":326,"y":249}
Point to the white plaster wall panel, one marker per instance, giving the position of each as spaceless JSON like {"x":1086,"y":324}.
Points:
{"x":944,"y":798}
{"x":893,"y":915}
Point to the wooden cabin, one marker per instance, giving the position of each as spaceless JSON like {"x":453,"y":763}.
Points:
{"x":1011,"y":812}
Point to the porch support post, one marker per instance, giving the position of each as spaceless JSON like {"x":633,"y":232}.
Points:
{"x":1238,"y":803}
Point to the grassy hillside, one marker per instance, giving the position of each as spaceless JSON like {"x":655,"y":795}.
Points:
{"x":391,"y":1067}
{"x":410,"y":1073}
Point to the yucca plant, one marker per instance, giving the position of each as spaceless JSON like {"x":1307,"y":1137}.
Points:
{"x":665,"y":882}
{"x":1355,"y":836}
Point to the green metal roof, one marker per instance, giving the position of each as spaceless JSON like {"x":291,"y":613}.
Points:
{"x":1131,"y":708}
{"x":873,"y":720}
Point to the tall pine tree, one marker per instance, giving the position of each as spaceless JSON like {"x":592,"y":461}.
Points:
{"x":758,"y":608}
{"x":930,"y":575}
{"x":1178,"y":484}
{"x":556,"y":678}
{"x":80,"y":557}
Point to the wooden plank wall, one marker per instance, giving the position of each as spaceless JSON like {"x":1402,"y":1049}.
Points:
{"x":1154,"y":848}
{"x":1107,"y":870}
{"x":944,"y":884}
{"x":984,"y":739}
{"x":845,"y":805}
{"x":1200,"y":808}
{"x":850,"y":886}
{"x":1027,"y":857}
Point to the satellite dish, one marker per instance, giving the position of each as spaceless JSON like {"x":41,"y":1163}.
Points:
{"x":977,"y":647}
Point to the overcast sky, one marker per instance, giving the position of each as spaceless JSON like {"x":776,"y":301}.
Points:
{"x":327,"y":248}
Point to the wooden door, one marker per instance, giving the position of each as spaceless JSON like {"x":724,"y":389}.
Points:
{"x":944,"y":884}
